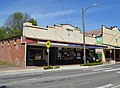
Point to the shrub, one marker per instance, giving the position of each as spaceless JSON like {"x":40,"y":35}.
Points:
{"x":56,"y":67}
{"x":92,"y":64}
{"x":47,"y":67}
{"x":51,"y":67}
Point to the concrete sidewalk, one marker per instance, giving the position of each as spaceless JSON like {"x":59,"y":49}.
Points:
{"x":20,"y":70}
{"x":32,"y":69}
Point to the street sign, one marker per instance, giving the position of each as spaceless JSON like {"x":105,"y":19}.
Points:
{"x":48,"y":44}
{"x":47,"y":49}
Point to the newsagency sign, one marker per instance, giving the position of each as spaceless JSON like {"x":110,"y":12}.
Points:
{"x":99,"y":40}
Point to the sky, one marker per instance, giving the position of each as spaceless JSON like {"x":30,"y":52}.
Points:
{"x":50,"y":12}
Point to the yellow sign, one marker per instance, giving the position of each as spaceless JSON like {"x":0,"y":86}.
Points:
{"x":48,"y":44}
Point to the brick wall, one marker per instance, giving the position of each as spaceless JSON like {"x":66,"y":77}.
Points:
{"x":12,"y":51}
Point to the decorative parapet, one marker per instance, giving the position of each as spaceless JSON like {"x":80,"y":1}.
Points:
{"x":63,"y":32}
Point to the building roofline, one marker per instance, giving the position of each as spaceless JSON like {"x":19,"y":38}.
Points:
{"x":38,"y":27}
{"x":69,"y":24}
{"x":111,"y":27}
{"x":9,"y":38}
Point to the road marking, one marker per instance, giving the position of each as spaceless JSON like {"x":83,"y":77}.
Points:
{"x":48,"y":78}
{"x":112,"y":70}
{"x":105,"y":86}
{"x":116,"y":86}
{"x":118,"y":72}
{"x":101,"y":69}
{"x":83,"y":74}
{"x":97,"y":68}
{"x":58,"y":77}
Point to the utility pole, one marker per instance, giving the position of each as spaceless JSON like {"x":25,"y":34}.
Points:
{"x":83,"y":25}
{"x":84,"y":50}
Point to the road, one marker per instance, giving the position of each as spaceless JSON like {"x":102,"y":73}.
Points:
{"x":107,"y":76}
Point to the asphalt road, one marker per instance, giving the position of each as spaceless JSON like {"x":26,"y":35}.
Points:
{"x":92,"y":77}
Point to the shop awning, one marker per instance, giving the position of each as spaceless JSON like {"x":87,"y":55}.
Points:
{"x":88,"y":46}
{"x":68,"y":45}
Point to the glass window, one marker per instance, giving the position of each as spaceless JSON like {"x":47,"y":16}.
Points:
{"x":66,"y":54}
{"x":36,"y":54}
{"x":107,"y":54}
{"x":117,"y":54}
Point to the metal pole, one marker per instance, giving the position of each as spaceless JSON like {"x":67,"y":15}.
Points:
{"x":48,"y":55}
{"x":25,"y":54}
{"x":84,"y":55}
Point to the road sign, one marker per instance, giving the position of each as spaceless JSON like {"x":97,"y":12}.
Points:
{"x":48,"y":44}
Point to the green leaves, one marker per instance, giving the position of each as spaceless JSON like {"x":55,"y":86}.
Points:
{"x":2,"y":33}
{"x":16,"y":20}
{"x":14,"y":25}
{"x":33,"y":21}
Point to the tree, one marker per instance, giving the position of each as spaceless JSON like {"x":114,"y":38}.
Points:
{"x":33,"y":21}
{"x":12,"y":32}
{"x":14,"y":23}
{"x":2,"y":33}
{"x":16,"y":20}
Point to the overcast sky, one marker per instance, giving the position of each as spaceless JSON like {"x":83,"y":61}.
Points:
{"x":50,"y":12}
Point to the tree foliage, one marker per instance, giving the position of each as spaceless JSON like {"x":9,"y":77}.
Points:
{"x":33,"y":21}
{"x":2,"y":33}
{"x":16,"y":20}
{"x":14,"y":24}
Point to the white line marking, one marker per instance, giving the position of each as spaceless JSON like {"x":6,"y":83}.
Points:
{"x":105,"y":86}
{"x":116,"y":86}
{"x":112,"y":70}
{"x":100,"y":69}
{"x":50,"y":78}
{"x":118,"y":72}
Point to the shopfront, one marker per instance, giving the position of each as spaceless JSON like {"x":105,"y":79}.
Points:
{"x":38,"y":56}
{"x":112,"y":54}
{"x":69,"y":56}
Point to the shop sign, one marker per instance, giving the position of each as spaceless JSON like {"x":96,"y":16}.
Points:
{"x":99,"y":40}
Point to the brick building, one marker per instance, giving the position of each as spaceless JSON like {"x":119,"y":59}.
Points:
{"x":30,"y":48}
{"x":12,"y":51}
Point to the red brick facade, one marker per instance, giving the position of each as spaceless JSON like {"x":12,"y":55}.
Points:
{"x":12,"y":51}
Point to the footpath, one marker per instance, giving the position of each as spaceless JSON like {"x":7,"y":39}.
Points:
{"x":35,"y":69}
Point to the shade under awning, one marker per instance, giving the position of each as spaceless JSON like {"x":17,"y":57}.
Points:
{"x":88,"y":46}
{"x":68,"y":45}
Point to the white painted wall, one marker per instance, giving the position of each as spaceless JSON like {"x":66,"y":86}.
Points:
{"x":66,"y":33}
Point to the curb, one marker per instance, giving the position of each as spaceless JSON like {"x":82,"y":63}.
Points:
{"x":10,"y":72}
{"x":41,"y":70}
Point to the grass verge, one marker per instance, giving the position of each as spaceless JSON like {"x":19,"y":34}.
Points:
{"x":6,"y":64}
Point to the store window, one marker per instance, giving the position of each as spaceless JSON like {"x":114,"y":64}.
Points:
{"x":36,"y":54}
{"x":107,"y":54}
{"x":66,"y":54}
{"x":117,"y":54}
{"x":78,"y":53}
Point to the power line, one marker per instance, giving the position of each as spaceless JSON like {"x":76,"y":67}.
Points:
{"x":64,"y":11}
